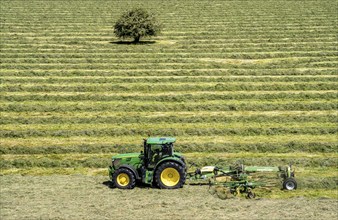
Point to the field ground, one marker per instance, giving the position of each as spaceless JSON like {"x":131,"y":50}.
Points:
{"x":89,"y":197}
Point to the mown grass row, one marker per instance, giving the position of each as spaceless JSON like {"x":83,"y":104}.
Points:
{"x":169,"y":107}
{"x":179,"y":40}
{"x":199,"y":48}
{"x":232,"y":55}
{"x":104,"y":118}
{"x":157,"y":125}
{"x":170,"y":87}
{"x":59,"y":30}
{"x":191,"y":40}
{"x":166,"y":79}
{"x":100,"y":55}
{"x":321,"y":21}
{"x":201,"y":66}
{"x":277,"y":71}
{"x":90,"y":30}
{"x":265,"y":28}
{"x":233,"y":33}
{"x":168,"y":129}
{"x":173,"y":60}
{"x":125,"y":144}
{"x":183,"y":140}
{"x":21,"y":97}
{"x":268,"y":21}
{"x":190,"y":27}
{"x":211,"y":64}
{"x":171,"y":46}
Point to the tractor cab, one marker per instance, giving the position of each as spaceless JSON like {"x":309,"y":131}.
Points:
{"x":155,"y":149}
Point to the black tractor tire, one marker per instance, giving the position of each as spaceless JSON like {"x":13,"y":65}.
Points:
{"x":170,"y":175}
{"x":124,"y":178}
{"x":290,"y":184}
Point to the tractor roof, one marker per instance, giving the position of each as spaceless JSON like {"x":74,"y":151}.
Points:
{"x":160,"y":140}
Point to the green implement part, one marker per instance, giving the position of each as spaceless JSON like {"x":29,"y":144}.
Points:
{"x":261,"y":169}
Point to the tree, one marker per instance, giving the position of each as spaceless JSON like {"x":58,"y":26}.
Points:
{"x":135,"y":24}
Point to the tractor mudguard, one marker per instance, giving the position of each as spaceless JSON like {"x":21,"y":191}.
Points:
{"x":132,"y":170}
{"x":169,"y":159}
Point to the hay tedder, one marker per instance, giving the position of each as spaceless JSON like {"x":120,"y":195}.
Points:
{"x":238,"y":180}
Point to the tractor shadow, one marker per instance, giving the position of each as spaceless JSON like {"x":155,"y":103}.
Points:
{"x":110,"y":185}
{"x":132,"y":42}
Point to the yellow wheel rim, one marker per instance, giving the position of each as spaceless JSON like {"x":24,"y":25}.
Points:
{"x":123,"y":179}
{"x":170,"y":177}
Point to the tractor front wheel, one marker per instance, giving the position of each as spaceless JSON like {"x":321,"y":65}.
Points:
{"x":124,"y":179}
{"x":170,"y":175}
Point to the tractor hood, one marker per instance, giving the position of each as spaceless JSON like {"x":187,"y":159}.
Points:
{"x":129,"y":155}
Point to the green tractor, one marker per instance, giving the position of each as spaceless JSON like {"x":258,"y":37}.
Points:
{"x":158,"y":165}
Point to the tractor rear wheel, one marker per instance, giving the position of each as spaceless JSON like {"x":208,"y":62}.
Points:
{"x":124,"y":179}
{"x":170,"y":175}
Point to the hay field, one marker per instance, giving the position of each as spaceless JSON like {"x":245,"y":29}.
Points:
{"x":232,"y":80}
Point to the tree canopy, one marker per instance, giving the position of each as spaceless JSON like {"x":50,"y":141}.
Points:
{"x":135,"y":24}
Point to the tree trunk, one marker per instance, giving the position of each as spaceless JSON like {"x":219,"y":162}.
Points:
{"x":136,"y":39}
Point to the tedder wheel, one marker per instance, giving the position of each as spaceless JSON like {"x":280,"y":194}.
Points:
{"x":170,"y":175}
{"x":250,"y":195}
{"x":289,"y":184}
{"x":124,"y":179}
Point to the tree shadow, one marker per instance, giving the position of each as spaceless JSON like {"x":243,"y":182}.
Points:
{"x":133,"y":43}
